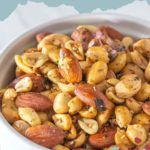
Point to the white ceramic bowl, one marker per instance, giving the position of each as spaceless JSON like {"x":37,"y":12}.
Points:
{"x":136,"y":27}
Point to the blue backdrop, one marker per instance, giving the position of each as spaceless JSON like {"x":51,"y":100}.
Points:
{"x":7,"y":6}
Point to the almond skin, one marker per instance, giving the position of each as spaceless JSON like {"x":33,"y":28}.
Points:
{"x":82,"y":35}
{"x":21,"y":126}
{"x":90,"y":95}
{"x":33,"y":100}
{"x":104,"y":138}
{"x":69,"y":66}
{"x":39,"y":82}
{"x":146,"y":107}
{"x":86,"y":94}
{"x":113,"y":33}
{"x":105,"y":31}
{"x":40,"y":36}
{"x":45,"y":135}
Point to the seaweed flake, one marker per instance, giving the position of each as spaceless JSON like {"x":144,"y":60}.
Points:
{"x":100,"y":104}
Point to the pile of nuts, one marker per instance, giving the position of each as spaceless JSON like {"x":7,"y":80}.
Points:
{"x":86,"y":91}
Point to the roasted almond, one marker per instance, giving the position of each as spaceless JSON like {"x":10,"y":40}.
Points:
{"x":45,"y":135}
{"x":104,"y":138}
{"x":33,"y":100}
{"x":106,"y":31}
{"x":113,"y":33}
{"x":90,"y":95}
{"x":21,"y":126}
{"x":39,"y":82}
{"x":69,"y":66}
{"x":40,"y":36}
{"x":86,"y":94}
{"x":82,"y":35}
{"x":146,"y":107}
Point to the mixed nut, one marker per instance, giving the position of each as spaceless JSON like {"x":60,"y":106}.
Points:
{"x":86,"y":91}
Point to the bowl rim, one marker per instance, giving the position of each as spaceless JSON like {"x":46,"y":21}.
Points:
{"x":7,"y":48}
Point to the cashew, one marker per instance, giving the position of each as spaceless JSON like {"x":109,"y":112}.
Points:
{"x":97,"y":73}
{"x":58,"y":40}
{"x":141,"y":118}
{"x":138,"y":59}
{"x":136,"y":133}
{"x":133,"y":69}
{"x":47,"y":67}
{"x":63,"y":121}
{"x":74,"y":105}
{"x":60,"y":104}
{"x":69,"y":88}
{"x":72,"y":133}
{"x":24,"y":85}
{"x":143,"y":46}
{"x":52,"y":52}
{"x":36,"y":59}
{"x":89,"y":126}
{"x":76,"y":48}
{"x":31,"y":50}
{"x":102,"y":86}
{"x":128,"y":86}
{"x":21,"y":65}
{"x":91,"y":112}
{"x":118,"y":63}
{"x":2,"y":91}
{"x":97,"y":53}
{"x":60,"y":147}
{"x":85,"y":65}
{"x":49,"y":123}
{"x":52,"y":95}
{"x":127,"y":42}
{"x":54,"y":75}
{"x":43,"y":116}
{"x":144,"y":93}
{"x":19,"y":72}
{"x":103,"y":117}
{"x":46,"y":93}
{"x":9,"y":109}
{"x":29,"y":115}
{"x":123,"y":116}
{"x":21,"y":126}
{"x":112,"y":81}
{"x":91,"y":28}
{"x":147,"y":72}
{"x":133,"y":105}
{"x":122,"y":139}
{"x":110,"y":92}
{"x":79,"y":141}
{"x":129,"y":59}
{"x":10,"y":94}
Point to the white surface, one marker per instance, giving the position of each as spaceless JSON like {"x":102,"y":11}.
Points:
{"x":30,"y":15}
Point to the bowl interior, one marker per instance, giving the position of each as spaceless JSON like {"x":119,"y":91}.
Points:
{"x":127,"y":25}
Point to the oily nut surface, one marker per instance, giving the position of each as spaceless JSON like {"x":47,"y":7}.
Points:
{"x":86,"y":90}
